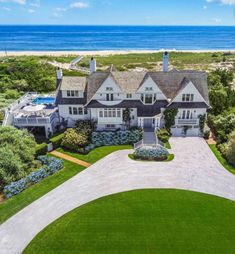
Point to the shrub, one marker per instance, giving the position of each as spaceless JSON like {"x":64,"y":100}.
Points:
{"x":230,"y":151}
{"x":15,"y":188}
{"x":73,"y":140}
{"x":50,"y":166}
{"x":85,"y":127}
{"x":163,"y":135}
{"x":57,"y":140}
{"x":116,"y":138}
{"x":159,"y":154}
{"x":11,"y":94}
{"x":41,"y":149}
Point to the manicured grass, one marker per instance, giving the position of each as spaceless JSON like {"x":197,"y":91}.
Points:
{"x":169,"y":158}
{"x":17,"y":203}
{"x":221,"y":159}
{"x":95,"y":154}
{"x":144,"y":221}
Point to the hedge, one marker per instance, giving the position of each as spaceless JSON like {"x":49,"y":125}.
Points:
{"x":50,"y":166}
{"x":41,"y":149}
{"x":117,"y":138}
{"x":159,"y":154}
{"x":56,"y":140}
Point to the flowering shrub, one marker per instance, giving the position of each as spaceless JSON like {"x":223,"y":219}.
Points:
{"x":160,"y":153}
{"x":116,"y":138}
{"x":50,"y":166}
{"x":15,"y":188}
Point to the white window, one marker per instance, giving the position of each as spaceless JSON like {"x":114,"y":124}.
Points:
{"x":109,"y":113}
{"x":101,"y":113}
{"x":109,"y":89}
{"x":72,"y":93}
{"x":80,"y":94}
{"x":75,"y":111}
{"x":76,"y":93}
{"x":109,"y":97}
{"x":187,"y":97}
{"x":70,"y":111}
{"x":80,"y":111}
{"x":68,"y":93}
{"x":148,"y":89}
{"x":129,"y":96}
{"x":187,"y":114}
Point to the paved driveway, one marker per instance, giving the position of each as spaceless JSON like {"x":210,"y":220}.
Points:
{"x":194,"y":168}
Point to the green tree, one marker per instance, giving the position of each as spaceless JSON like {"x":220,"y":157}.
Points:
{"x":169,"y":116}
{"x":127,"y":117}
{"x":230,"y":151}
{"x":16,"y":154}
{"x":218,"y":99}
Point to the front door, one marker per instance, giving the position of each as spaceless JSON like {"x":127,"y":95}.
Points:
{"x":148,"y":123}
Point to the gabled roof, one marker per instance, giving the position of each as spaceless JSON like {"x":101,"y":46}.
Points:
{"x":170,"y":83}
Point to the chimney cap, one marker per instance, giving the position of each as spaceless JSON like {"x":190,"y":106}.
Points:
{"x":92,"y":58}
{"x":166,"y":53}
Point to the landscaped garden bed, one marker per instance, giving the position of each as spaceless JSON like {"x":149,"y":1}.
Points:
{"x":50,"y":166}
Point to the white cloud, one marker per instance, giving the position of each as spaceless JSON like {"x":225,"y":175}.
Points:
{"x":6,"y":9}
{"x":31,"y":10}
{"x":79,"y":5}
{"x":60,"y":9}
{"x":217,"y":20}
{"x":204,"y":7}
{"x":227,"y":2}
{"x":14,"y":1}
{"x":35,"y":4}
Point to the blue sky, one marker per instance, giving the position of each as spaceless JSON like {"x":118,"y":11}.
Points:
{"x":118,"y":12}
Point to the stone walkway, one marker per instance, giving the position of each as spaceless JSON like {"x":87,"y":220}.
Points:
{"x":194,"y":168}
{"x":69,"y":158}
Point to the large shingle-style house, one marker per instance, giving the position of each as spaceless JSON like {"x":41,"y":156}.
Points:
{"x":104,"y":96}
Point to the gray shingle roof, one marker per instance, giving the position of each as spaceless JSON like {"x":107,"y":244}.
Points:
{"x":73,"y":83}
{"x":170,"y":83}
{"x":188,"y":105}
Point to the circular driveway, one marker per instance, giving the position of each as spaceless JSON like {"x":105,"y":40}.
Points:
{"x":194,"y":168}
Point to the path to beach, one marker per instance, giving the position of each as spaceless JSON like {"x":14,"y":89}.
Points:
{"x":100,"y":53}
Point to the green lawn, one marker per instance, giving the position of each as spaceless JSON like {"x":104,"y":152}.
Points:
{"x":17,"y":203}
{"x":221,"y":159}
{"x":95,"y":154}
{"x":144,"y":221}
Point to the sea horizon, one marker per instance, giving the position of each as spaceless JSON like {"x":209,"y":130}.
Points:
{"x":115,"y":37}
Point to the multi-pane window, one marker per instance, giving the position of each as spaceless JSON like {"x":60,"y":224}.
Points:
{"x":109,"y":89}
{"x":109,"y":113}
{"x":148,"y":89}
{"x":77,"y":111}
{"x":109,"y":97}
{"x":73,"y":93}
{"x":187,"y":97}
{"x":80,"y":111}
{"x":129,"y":96}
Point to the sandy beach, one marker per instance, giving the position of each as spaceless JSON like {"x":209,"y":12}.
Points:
{"x":100,"y":53}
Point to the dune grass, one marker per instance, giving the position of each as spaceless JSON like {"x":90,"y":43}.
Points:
{"x":144,"y":221}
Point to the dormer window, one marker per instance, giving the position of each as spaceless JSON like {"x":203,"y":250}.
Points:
{"x":187,"y":97}
{"x":148,"y":89}
{"x":129,"y":96}
{"x":109,"y":97}
{"x":148,"y":98}
{"x":109,"y":89}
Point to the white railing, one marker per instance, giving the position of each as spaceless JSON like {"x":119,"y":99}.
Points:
{"x":187,"y":121}
{"x":32,"y":121}
{"x":139,"y":144}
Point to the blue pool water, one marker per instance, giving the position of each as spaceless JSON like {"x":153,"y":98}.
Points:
{"x":44,"y":100}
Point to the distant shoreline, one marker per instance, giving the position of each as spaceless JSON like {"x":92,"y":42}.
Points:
{"x":102,"y":52}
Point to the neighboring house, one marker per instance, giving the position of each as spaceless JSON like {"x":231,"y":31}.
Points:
{"x":104,"y":97}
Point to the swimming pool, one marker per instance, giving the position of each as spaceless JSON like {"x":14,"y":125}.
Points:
{"x":44,"y":100}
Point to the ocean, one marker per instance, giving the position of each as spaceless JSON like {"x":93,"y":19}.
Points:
{"x":89,"y":38}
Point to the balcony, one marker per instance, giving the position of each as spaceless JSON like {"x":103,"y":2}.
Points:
{"x":186,"y":122}
{"x":110,"y":120}
{"x":110,"y":103}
